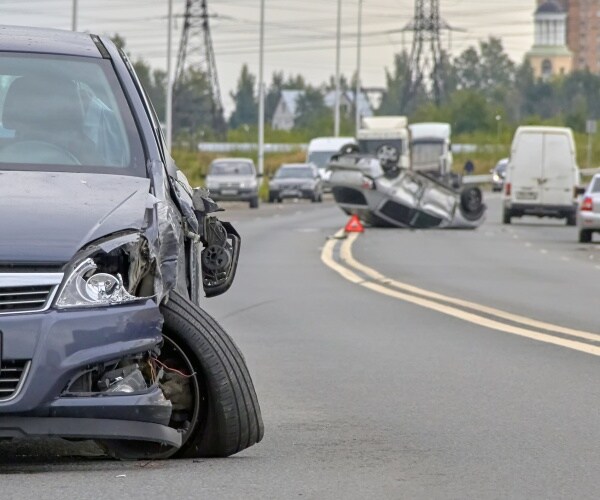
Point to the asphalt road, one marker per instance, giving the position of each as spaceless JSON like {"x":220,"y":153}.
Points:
{"x":366,"y":395}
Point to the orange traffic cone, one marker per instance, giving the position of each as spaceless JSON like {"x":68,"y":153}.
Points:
{"x":354,"y":225}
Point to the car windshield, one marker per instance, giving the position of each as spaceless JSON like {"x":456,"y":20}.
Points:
{"x":595,"y":185}
{"x":295,"y":173}
{"x":320,"y":158}
{"x":231,"y":168}
{"x":65,"y":113}
{"x":427,"y":153}
{"x":501,"y":167}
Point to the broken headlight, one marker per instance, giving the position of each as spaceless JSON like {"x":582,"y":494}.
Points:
{"x":109,"y":273}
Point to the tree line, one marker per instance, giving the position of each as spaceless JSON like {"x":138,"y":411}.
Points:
{"x":481,"y":88}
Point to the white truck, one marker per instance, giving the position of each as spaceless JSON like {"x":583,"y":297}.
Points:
{"x":387,"y":138}
{"x":321,"y":150}
{"x":542,"y":177}
{"x":431,"y":149}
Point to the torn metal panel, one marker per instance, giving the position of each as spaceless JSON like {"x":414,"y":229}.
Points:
{"x":398,"y":197}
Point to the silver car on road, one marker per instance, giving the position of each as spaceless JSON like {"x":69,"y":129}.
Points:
{"x":588,"y":217}
{"x":233,"y":179}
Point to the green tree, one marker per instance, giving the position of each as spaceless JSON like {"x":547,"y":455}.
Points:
{"x":488,"y":70}
{"x":311,"y":109}
{"x":246,"y":105}
{"x":193,"y":106}
{"x":395,"y":98}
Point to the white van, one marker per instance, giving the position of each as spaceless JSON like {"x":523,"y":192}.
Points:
{"x":542,"y":175}
{"x":321,"y":149}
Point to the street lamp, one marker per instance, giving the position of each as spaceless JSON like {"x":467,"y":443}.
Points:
{"x":169,"y":103}
{"x":336,"y":126}
{"x":74,"y":16}
{"x":358,"y":50}
{"x":261,"y":92}
{"x":498,"y":126}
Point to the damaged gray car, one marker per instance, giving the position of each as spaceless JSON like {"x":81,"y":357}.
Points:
{"x":106,"y":253}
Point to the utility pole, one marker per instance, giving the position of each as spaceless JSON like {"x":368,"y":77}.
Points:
{"x":261,"y":93}
{"x":336,"y":125}
{"x":196,"y":51}
{"x":426,"y":57}
{"x":74,"y":16}
{"x":357,"y":92}
{"x":169,"y":103}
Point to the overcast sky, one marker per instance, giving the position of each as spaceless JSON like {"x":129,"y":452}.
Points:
{"x":300,"y":35}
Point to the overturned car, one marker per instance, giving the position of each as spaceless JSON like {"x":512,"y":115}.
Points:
{"x":399,"y":197}
{"x":105,"y":254}
{"x":375,"y":181}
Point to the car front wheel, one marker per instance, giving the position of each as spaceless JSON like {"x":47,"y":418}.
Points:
{"x":208,"y":383}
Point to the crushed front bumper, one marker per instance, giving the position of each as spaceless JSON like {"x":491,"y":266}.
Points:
{"x":55,"y":347}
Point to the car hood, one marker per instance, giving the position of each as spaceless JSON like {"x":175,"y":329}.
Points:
{"x":46,"y":217}
{"x":228,"y":179}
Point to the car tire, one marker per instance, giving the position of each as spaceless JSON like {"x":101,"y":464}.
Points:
{"x":254,"y":202}
{"x":585,"y":236}
{"x":506,"y":216}
{"x":231,"y":419}
{"x":572,"y":219}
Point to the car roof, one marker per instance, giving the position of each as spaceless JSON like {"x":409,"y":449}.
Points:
{"x":47,"y":41}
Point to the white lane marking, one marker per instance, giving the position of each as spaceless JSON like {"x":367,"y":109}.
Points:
{"x":566,"y":259}
{"x":544,"y":251}
{"x":485,"y":322}
{"x":528,"y":245}
{"x":515,"y":236}
{"x":346,"y":255}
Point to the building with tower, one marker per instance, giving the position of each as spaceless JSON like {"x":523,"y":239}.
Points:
{"x":550,"y":55}
{"x":583,"y":32}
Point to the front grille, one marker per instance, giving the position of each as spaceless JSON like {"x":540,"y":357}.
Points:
{"x":12,"y":377}
{"x":27,"y":292}
{"x":24,"y":298}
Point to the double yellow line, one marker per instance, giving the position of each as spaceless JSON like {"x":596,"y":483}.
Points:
{"x":495,"y":319}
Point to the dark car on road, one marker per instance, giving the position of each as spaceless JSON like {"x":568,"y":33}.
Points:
{"x":296,"y":180}
{"x":105,"y":253}
{"x":233,"y":179}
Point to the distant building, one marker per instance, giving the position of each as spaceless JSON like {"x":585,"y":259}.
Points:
{"x":284,"y":117}
{"x":285,"y":112}
{"x":583,"y":32}
{"x":550,"y":56}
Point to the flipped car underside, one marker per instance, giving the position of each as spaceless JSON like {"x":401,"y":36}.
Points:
{"x":398,"y":197}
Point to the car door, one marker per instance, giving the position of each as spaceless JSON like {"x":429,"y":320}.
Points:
{"x":558,"y":174}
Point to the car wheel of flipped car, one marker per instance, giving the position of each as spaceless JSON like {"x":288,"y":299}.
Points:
{"x":471,"y":203}
{"x":572,"y":219}
{"x":506,"y":216}
{"x":585,"y":236}
{"x":254,"y":202}
{"x":209,"y":386}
